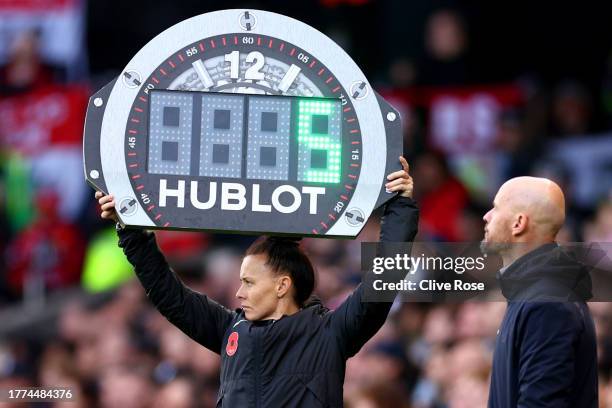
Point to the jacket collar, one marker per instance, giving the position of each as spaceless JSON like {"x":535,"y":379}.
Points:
{"x":549,"y":267}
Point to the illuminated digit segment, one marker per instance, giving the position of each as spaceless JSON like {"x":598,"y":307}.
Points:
{"x":170,"y":133}
{"x":222,"y":132}
{"x":269,"y":137}
{"x":319,"y":139}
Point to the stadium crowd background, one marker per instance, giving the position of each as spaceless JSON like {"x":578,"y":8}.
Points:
{"x":487,"y":90}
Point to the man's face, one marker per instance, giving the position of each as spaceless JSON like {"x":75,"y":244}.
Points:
{"x":498,"y":227}
{"x":258,"y":288}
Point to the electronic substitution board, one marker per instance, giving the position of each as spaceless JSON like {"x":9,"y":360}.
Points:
{"x":242,"y":121}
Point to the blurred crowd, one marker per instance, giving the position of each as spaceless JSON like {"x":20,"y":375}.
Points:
{"x":469,"y":123}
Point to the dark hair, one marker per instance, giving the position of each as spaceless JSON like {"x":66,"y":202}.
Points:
{"x":285,"y":256}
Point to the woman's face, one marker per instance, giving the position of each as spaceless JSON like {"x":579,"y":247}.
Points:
{"x":259,"y":288}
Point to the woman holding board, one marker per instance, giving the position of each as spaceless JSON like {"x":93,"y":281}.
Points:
{"x":280,"y":349}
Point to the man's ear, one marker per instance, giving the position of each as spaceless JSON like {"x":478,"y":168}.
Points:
{"x":519,"y":224}
{"x":283,"y":285}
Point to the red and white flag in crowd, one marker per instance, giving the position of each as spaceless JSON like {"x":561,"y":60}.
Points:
{"x":45,"y":117}
{"x":460,"y":119}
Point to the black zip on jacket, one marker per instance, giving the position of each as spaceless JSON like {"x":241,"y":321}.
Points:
{"x":296,"y":361}
{"x":545,"y":351}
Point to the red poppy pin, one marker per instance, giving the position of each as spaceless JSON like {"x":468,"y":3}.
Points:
{"x":232,"y":344}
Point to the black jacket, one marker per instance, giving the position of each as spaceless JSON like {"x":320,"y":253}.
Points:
{"x":296,"y":361}
{"x":545,"y":351}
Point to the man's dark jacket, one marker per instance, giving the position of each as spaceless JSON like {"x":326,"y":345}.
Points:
{"x":545,"y":351}
{"x":296,"y":361}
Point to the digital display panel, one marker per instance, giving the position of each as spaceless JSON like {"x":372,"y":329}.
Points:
{"x":242,"y":121}
{"x":255,"y":137}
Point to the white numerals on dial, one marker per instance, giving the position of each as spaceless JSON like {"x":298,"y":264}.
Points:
{"x":234,"y":59}
{"x":257,"y":59}
{"x":253,"y":72}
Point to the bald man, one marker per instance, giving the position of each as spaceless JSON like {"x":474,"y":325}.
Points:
{"x":545,"y":351}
